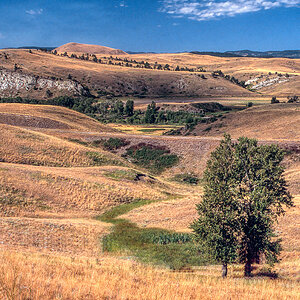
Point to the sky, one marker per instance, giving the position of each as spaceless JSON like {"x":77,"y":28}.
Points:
{"x":153,"y":25}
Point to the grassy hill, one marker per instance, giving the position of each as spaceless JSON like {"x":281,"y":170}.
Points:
{"x":32,"y":74}
{"x":59,"y":169}
{"x":91,"y":49}
{"x":266,"y":122}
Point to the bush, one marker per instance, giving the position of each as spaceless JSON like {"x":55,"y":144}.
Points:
{"x":274,"y":100}
{"x":154,"y":158}
{"x":187,"y":178}
{"x":115,"y":143}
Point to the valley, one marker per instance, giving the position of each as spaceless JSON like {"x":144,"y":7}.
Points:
{"x":86,"y":205}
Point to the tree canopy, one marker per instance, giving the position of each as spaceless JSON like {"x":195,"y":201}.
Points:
{"x":244,"y":194}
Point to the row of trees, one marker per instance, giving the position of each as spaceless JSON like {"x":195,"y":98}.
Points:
{"x":116,"y":111}
{"x":290,"y":99}
{"x":219,"y":73}
{"x":130,"y":63}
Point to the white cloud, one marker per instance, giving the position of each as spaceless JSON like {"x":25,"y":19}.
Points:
{"x":123,"y":4}
{"x":34,"y":12}
{"x":212,"y":9}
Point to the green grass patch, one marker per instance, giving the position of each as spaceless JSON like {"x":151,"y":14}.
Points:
{"x":111,"y":215}
{"x":121,"y":174}
{"x":152,"y":129}
{"x":187,"y":178}
{"x":152,"y":245}
{"x":100,"y":159}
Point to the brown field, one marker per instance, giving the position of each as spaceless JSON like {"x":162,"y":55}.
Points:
{"x":51,"y":190}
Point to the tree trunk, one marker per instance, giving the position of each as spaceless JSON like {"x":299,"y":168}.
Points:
{"x":248,"y":268}
{"x":224,"y":270}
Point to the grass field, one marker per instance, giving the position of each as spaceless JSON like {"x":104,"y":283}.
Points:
{"x":54,"y":182}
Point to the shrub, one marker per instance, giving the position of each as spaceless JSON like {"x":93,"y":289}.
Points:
{"x":187,"y":178}
{"x":115,"y":143}
{"x":274,"y":100}
{"x":154,"y":158}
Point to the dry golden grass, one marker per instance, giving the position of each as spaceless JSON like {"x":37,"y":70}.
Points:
{"x":72,"y":237}
{"x":119,"y":79}
{"x":229,"y":65}
{"x":35,"y":276}
{"x":172,"y":214}
{"x":48,"y":117}
{"x":29,"y":147}
{"x":86,"y":48}
{"x":51,"y":245}
{"x":267,"y":122}
{"x":44,"y":191}
{"x":142,"y":129}
{"x":159,"y":83}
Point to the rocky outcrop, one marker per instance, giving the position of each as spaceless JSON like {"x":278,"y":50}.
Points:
{"x":11,"y":83}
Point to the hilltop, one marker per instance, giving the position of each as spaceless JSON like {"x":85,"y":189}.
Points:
{"x":90,"y":49}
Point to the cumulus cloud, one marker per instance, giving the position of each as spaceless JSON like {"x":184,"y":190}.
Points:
{"x":213,"y":9}
{"x":34,"y":12}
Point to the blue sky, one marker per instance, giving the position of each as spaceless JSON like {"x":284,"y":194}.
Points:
{"x":153,"y":25}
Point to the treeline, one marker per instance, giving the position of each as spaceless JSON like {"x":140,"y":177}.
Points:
{"x":82,"y":104}
{"x":116,"y":111}
{"x":129,"y":63}
{"x":219,"y":73}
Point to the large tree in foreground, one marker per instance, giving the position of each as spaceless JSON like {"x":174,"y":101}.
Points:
{"x":244,"y":194}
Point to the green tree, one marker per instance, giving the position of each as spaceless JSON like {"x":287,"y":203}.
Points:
{"x":274,"y":100}
{"x":129,"y":108}
{"x":150,"y":115}
{"x":244,"y":194}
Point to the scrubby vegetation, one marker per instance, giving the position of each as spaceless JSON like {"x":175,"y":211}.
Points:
{"x":114,"y":143}
{"x":187,"y":178}
{"x":154,"y":158}
{"x":129,"y":63}
{"x":115,"y":111}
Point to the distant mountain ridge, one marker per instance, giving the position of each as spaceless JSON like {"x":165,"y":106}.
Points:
{"x":97,"y":49}
{"x":250,"y":53}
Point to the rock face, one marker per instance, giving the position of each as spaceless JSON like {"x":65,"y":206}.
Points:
{"x":90,"y":49}
{"x":11,"y":83}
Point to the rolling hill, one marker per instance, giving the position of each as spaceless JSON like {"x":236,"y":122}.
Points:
{"x":266,"y":122}
{"x":38,"y":74}
{"x":90,"y":49}
{"x":56,"y":177}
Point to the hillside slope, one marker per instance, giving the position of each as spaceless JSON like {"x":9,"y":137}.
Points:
{"x":68,"y":76}
{"x":48,"y":117}
{"x":265,"y":122}
{"x":90,"y":49}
